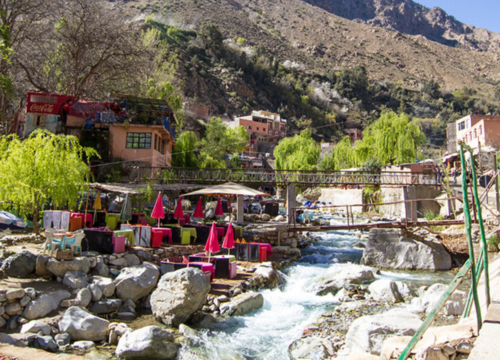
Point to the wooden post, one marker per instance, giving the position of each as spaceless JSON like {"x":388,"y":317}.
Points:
{"x":86,"y":206}
{"x":279,"y":237}
{"x":347,"y":213}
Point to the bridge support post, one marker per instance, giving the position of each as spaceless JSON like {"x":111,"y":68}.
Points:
{"x":290,"y":202}
{"x":239,"y":202}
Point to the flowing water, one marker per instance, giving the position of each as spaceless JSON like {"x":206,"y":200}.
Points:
{"x":267,"y":333}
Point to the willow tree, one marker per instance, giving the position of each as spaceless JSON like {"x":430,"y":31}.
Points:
{"x":297,"y":153}
{"x":184,"y":153}
{"x":392,"y":139}
{"x":41,"y":169}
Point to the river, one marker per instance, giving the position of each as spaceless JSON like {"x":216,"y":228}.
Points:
{"x":268,"y":332}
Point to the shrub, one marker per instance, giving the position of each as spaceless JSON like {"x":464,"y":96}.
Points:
{"x":492,"y":243}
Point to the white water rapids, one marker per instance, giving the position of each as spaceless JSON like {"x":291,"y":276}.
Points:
{"x":268,"y":332}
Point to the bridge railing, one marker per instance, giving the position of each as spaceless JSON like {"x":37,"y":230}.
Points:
{"x":283,"y":177}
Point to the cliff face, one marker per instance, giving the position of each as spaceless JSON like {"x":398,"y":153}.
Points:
{"x":411,"y":18}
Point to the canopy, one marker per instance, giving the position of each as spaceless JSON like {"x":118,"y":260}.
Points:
{"x":227,"y":189}
{"x":178,"y":210}
{"x":126,"y":213}
{"x":229,"y":239}
{"x":212,"y":245}
{"x":8,"y":220}
{"x":198,"y":212}
{"x":218,"y":208}
{"x":158,"y":212}
{"x":97,"y":201}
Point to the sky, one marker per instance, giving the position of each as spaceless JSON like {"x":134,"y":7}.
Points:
{"x":480,"y":13}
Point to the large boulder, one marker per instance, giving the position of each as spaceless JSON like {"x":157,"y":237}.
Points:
{"x":75,"y":280}
{"x":272,"y":277}
{"x":150,"y":342}
{"x":41,"y":266}
{"x":242,"y":304}
{"x":391,"y":248}
{"x":354,"y":274}
{"x":179,"y":295}
{"x":106,"y":285}
{"x":35,"y":327}
{"x":44,"y":304}
{"x":385,"y":290}
{"x":310,"y":348}
{"x":20,"y":265}
{"x":106,"y":306}
{"x":82,"y":325}
{"x":367,"y":333}
{"x":136,"y":282}
{"x":59,"y":268}
{"x":454,"y":306}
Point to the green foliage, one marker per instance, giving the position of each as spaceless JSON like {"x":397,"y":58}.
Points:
{"x":430,"y":216}
{"x":297,"y":153}
{"x":211,"y":37}
{"x":371,"y":165}
{"x":184,"y":152}
{"x":45,"y":167}
{"x":492,"y":243}
{"x":168,"y":177}
{"x":234,"y":162}
{"x":327,"y":163}
{"x":240,"y":41}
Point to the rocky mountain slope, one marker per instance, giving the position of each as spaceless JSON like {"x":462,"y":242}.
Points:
{"x":411,"y":18}
{"x":315,"y":39}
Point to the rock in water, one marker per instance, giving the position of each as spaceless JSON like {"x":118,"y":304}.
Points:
{"x":82,"y":325}
{"x":59,"y":268}
{"x":20,"y":265}
{"x":44,"y":304}
{"x":354,"y":274}
{"x":242,"y":304}
{"x":150,"y":342}
{"x":386,"y":290}
{"x":310,"y":347}
{"x":390,"y":248}
{"x":367,"y":333}
{"x":179,"y":295}
{"x":454,"y":306}
{"x":136,"y":282}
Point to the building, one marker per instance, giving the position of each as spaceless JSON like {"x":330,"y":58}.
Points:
{"x":263,"y":126}
{"x":355,"y":135}
{"x":474,"y":130}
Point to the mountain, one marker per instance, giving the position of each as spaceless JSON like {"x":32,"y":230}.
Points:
{"x":412,"y":18}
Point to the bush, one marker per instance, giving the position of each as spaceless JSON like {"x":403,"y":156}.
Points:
{"x":492,"y":243}
{"x":430,"y":216}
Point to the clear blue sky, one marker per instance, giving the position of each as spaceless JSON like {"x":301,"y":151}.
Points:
{"x":480,"y":13}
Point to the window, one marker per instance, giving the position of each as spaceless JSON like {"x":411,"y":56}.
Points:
{"x":270,"y":132}
{"x":249,"y":127}
{"x":480,"y":129}
{"x":257,"y":128}
{"x":40,"y":120}
{"x":264,"y":129}
{"x":475,"y":133}
{"x":156,"y":141}
{"x":470,"y":136}
{"x":276,"y":133}
{"x":162,"y":148}
{"x":461,"y":125}
{"x":138,"y":141}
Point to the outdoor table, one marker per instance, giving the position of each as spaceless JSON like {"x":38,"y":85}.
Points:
{"x":220,"y":231}
{"x":238,"y":231}
{"x":112,"y":220}
{"x":205,"y":266}
{"x":265,"y":250}
{"x":267,"y":246}
{"x":158,"y":234}
{"x":182,"y":222}
{"x":85,"y":220}
{"x":129,"y":235}
{"x":75,"y":223}
{"x":187,"y":218}
{"x":231,"y":258}
{"x":192,"y":231}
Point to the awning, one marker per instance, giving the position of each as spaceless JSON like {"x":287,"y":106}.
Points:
{"x":136,"y":189}
{"x":227,"y":190}
{"x":450,"y":156}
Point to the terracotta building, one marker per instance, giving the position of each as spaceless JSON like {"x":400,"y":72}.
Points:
{"x":263,"y":125}
{"x":474,"y":130}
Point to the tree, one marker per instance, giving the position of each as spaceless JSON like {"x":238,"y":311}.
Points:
{"x":184,"y":152}
{"x":43,"y":168}
{"x":83,"y":48}
{"x":221,"y":140}
{"x":297,"y":153}
{"x":211,"y":37}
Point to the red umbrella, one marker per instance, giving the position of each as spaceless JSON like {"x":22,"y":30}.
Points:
{"x":178,"y":210}
{"x":229,"y":239}
{"x":218,"y":208}
{"x":198,"y":212}
{"x":158,"y":212}
{"x":212,"y":245}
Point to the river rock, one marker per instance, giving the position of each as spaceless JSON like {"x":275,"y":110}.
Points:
{"x":272,"y":277}
{"x":62,"y":339}
{"x":75,"y":279}
{"x":96,"y":292}
{"x":132,"y":260}
{"x":41,"y":266}
{"x":44,"y":304}
{"x":35,"y":327}
{"x":367,"y":333}
{"x":454,"y":306}
{"x":385,"y":290}
{"x":106,"y":306}
{"x":14,"y":294}
{"x":101,"y":268}
{"x":83,"y":345}
{"x":106,"y":285}
{"x":20,"y":265}
{"x":150,"y":342}
{"x":7,"y":339}
{"x":179,"y":295}
{"x":308,"y":348}
{"x":59,"y":268}
{"x":12,"y":308}
{"x":136,"y":282}
{"x":390,"y":248}
{"x":82,"y":325}
{"x":84,"y":297}
{"x":45,"y":343}
{"x":354,"y":274}
{"x":242,"y":304}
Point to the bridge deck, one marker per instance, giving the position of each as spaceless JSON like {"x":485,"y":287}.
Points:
{"x":403,"y":224}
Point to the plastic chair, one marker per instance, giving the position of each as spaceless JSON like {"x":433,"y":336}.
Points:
{"x":76,"y":246}
{"x":48,"y":241}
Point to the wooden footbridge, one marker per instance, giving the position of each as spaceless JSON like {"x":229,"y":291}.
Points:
{"x":267,"y":177}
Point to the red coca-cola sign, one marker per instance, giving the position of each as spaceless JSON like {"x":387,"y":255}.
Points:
{"x":40,"y":103}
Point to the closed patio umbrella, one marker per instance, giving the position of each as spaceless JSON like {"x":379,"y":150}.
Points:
{"x":178,"y":214}
{"x":229,"y":239}
{"x":97,"y":205}
{"x":126,"y":213}
{"x":212,"y":245}
{"x":198,"y":212}
{"x":158,"y":212}
{"x":218,"y":208}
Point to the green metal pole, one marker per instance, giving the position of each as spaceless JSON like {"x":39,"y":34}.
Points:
{"x":468,"y":304}
{"x":437,"y":308}
{"x":497,"y":198}
{"x":467,"y":221}
{"x":484,"y":247}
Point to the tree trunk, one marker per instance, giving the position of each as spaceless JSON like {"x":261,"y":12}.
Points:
{"x":35,"y":218}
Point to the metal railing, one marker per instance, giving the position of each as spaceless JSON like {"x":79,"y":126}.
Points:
{"x":300,"y":177}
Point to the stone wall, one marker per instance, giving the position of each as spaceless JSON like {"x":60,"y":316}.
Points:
{"x":337,"y":196}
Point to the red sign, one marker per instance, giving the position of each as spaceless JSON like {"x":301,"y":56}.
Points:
{"x":40,"y":103}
